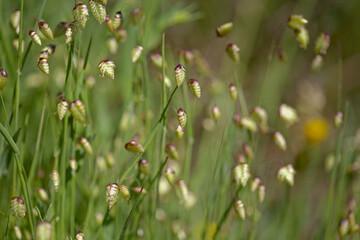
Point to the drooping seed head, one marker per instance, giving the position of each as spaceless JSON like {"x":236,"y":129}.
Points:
{"x":70,"y":32}
{"x":240,"y":158}
{"x":17,"y":207}
{"x":170,"y":175}
{"x":215,"y":113}
{"x":288,"y":114}
{"x":134,"y":147}
{"x":62,"y":107}
{"x":166,"y":79}
{"x":3,"y":78}
{"x":144,"y":167}
{"x":241,"y":174}
{"x":296,"y":22}
{"x":352,"y":223}
{"x":249,"y":153}
{"x":125,"y":193}
{"x":280,"y":141}
{"x":245,"y":122}
{"x":172,"y":152}
{"x":261,"y":192}
{"x":180,"y":74}
{"x":50,"y":49}
{"x":42,"y":195}
{"x":17,"y":232}
{"x":239,"y":209}
{"x":85,"y":145}
{"x":194,"y":88}
{"x":317,"y":63}
{"x":136,"y":15}
{"x":110,"y":160}
{"x":287,"y":173}
{"x":322,"y":43}
{"x":15,"y":21}
{"x":60,"y":29}
{"x":73,"y":164}
{"x":233,"y":52}
{"x":118,"y":19}
{"x":259,"y":115}
{"x":79,"y":236}
{"x":16,"y":43}
{"x":233,"y":92}
{"x":344,"y":228}
{"x":44,"y":65}
{"x":78,"y":111}
{"x":224,"y":29}
{"x":120,"y":34}
{"x":36,"y":39}
{"x":179,"y":132}
{"x":187,"y":55}
{"x":338,"y":119}
{"x":138,"y":190}
{"x":106,"y":67}
{"x":46,"y":30}
{"x":81,"y":14}
{"x":44,"y":54}
{"x":98,"y":10}
{"x":255,"y":184}
{"x":156,"y":60}
{"x":55,"y":178}
{"x":109,"y":23}
{"x":44,"y":231}
{"x":182,"y":190}
{"x":302,"y":36}
{"x":136,"y":53}
{"x":112,"y":194}
{"x":182,"y":117}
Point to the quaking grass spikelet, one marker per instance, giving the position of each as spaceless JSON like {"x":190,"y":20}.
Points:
{"x":179,"y":132}
{"x":106,"y":67}
{"x":85,"y":145}
{"x":112,"y":194}
{"x":78,"y":111}
{"x":81,"y":14}
{"x":35,"y":37}
{"x":233,"y":52}
{"x":241,"y":174}
{"x":180,"y":74}
{"x":15,"y":21}
{"x":172,"y":152}
{"x":322,"y":43}
{"x":98,"y":10}
{"x":79,"y":236}
{"x":170,"y":175}
{"x":109,"y":23}
{"x":17,"y":207}
{"x":44,"y":230}
{"x":280,"y":141}
{"x":288,"y":114}
{"x":136,"y":53}
{"x":120,"y":34}
{"x":125,"y":193}
{"x":134,"y":147}
{"x":46,"y":30}
{"x":224,"y":29}
{"x":287,"y":174}
{"x":62,"y":107}
{"x":144,"y":167}
{"x":55,"y":178}
{"x":182,"y":118}
{"x":60,"y":29}
{"x":194,"y":88}
{"x":118,"y":20}
{"x":338,"y":118}
{"x":239,"y":209}
{"x":233,"y":92}
{"x":3,"y":78}
{"x":44,"y":65}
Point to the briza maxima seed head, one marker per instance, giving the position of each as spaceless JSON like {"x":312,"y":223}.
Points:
{"x":86,"y":145}
{"x":215,"y":113}
{"x":60,"y":29}
{"x":46,"y":30}
{"x":44,"y":231}
{"x":241,"y":174}
{"x":109,"y":23}
{"x":78,"y":111}
{"x":182,"y":117}
{"x":62,"y":107}
{"x":125,"y":193}
{"x":224,"y":29}
{"x":194,"y":88}
{"x":170,"y":175}
{"x":118,"y":19}
{"x":172,"y":152}
{"x":338,"y":118}
{"x":3,"y":78}
{"x":44,"y":65}
{"x":280,"y":141}
{"x":233,"y":52}
{"x":296,"y":22}
{"x":180,"y":74}
{"x":239,"y":209}
{"x":35,"y":37}
{"x":112,"y":194}
{"x":287,"y":174}
{"x":179,"y":132}
{"x":136,"y":53}
{"x":98,"y":10}
{"x":106,"y":67}
{"x":79,"y":236}
{"x":288,"y":114}
{"x":15,"y":21}
{"x":322,"y":43}
{"x":55,"y":178}
{"x":144,"y":167}
{"x":134,"y":147}
{"x":233,"y":92}
{"x":81,"y":14}
{"x":17,"y":207}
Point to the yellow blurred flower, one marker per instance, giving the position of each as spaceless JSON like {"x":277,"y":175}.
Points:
{"x":316,"y":130}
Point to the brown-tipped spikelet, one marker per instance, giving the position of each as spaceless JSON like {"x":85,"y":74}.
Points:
{"x":287,"y":174}
{"x":70,"y":32}
{"x":144,"y":167}
{"x":194,"y":88}
{"x":240,"y":158}
{"x":50,"y":49}
{"x":44,"y":54}
{"x":322,"y":43}
{"x":261,"y":192}
{"x":182,"y":190}
{"x":239,"y":209}
{"x":156,"y":60}
{"x":78,"y":111}
{"x":296,"y":22}
{"x":255,"y":184}
{"x":17,"y":207}
{"x":109,"y":24}
{"x":3,"y":78}
{"x":241,"y":174}
{"x":118,"y":20}
{"x":179,"y":74}
{"x":86,"y":145}
{"x":125,"y":193}
{"x":172,"y":152}
{"x":112,"y":194}
{"x":134,"y":147}
{"x":233,"y":92}
{"x":79,"y":236}
{"x":120,"y":34}
{"x":179,"y":132}
{"x":44,"y":231}
{"x":288,"y":114}
{"x":344,"y":228}
{"x":62,"y":107}
{"x":338,"y":119}
{"x":46,"y":30}
{"x":245,"y":122}
{"x":35,"y":37}
{"x":15,"y":21}
{"x":81,"y":14}
{"x":98,"y":10}
{"x":182,"y":118}
{"x":60,"y":29}
{"x":44,"y":65}
{"x":233,"y":52}
{"x":106,"y":67}
{"x":136,"y":53}
{"x":249,"y":153}
{"x":279,"y":140}
{"x":170,"y":175}
{"x":55,"y":178}
{"x":224,"y":29}
{"x":215,"y":113}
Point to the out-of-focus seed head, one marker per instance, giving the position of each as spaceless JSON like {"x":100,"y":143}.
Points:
{"x":182,"y":190}
{"x":50,"y":49}
{"x":42,"y":195}
{"x":134,"y":147}
{"x":224,"y":29}
{"x":78,"y":111}
{"x":112,"y":45}
{"x":170,"y":175}
{"x":255,"y":184}
{"x":46,"y":30}
{"x":240,"y":158}
{"x":120,"y":34}
{"x":62,"y":107}
{"x":106,"y":67}
{"x":136,"y":15}
{"x":233,"y":52}
{"x":109,"y":23}
{"x":302,"y":35}
{"x":239,"y":209}
{"x":233,"y":92}
{"x":322,"y":43}
{"x":44,"y":231}
{"x":125,"y":193}
{"x":81,"y":14}
{"x":344,"y":228}
{"x":112,"y":194}
{"x":182,"y":117}
{"x":110,"y":160}
{"x":118,"y":20}
{"x":354,"y":227}
{"x":282,"y":55}
{"x":100,"y":164}
{"x":17,"y":207}
{"x":338,"y":119}
{"x":241,"y":174}
{"x":36,"y":39}
{"x":73,"y":164}
{"x":166,"y":79}
{"x":261,"y":192}
{"x":44,"y":54}
{"x":70,"y":32}
{"x":103,"y":2}
{"x":15,"y":21}
{"x":98,"y":10}
{"x":55,"y":178}
{"x":136,"y":53}
{"x":79,"y":236}
{"x":187,"y":55}
{"x":288,"y":114}
{"x":317,"y":63}
{"x":249,"y":153}
{"x":194,"y":88}
{"x":156,"y":60}
{"x":99,"y":218}
{"x":179,"y":132}
{"x":172,"y":152}
{"x":245,"y":122}
{"x":17,"y":232}
{"x":180,"y":74}
{"x":85,"y":145}
{"x":280,"y":141}
{"x":287,"y":174}
{"x":259,"y":115}
{"x":60,"y":29}
{"x":138,"y":189}
{"x":144,"y":167}
{"x":215,"y":113}
{"x":296,"y":22}
{"x":44,"y":65}
{"x":3,"y":78}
